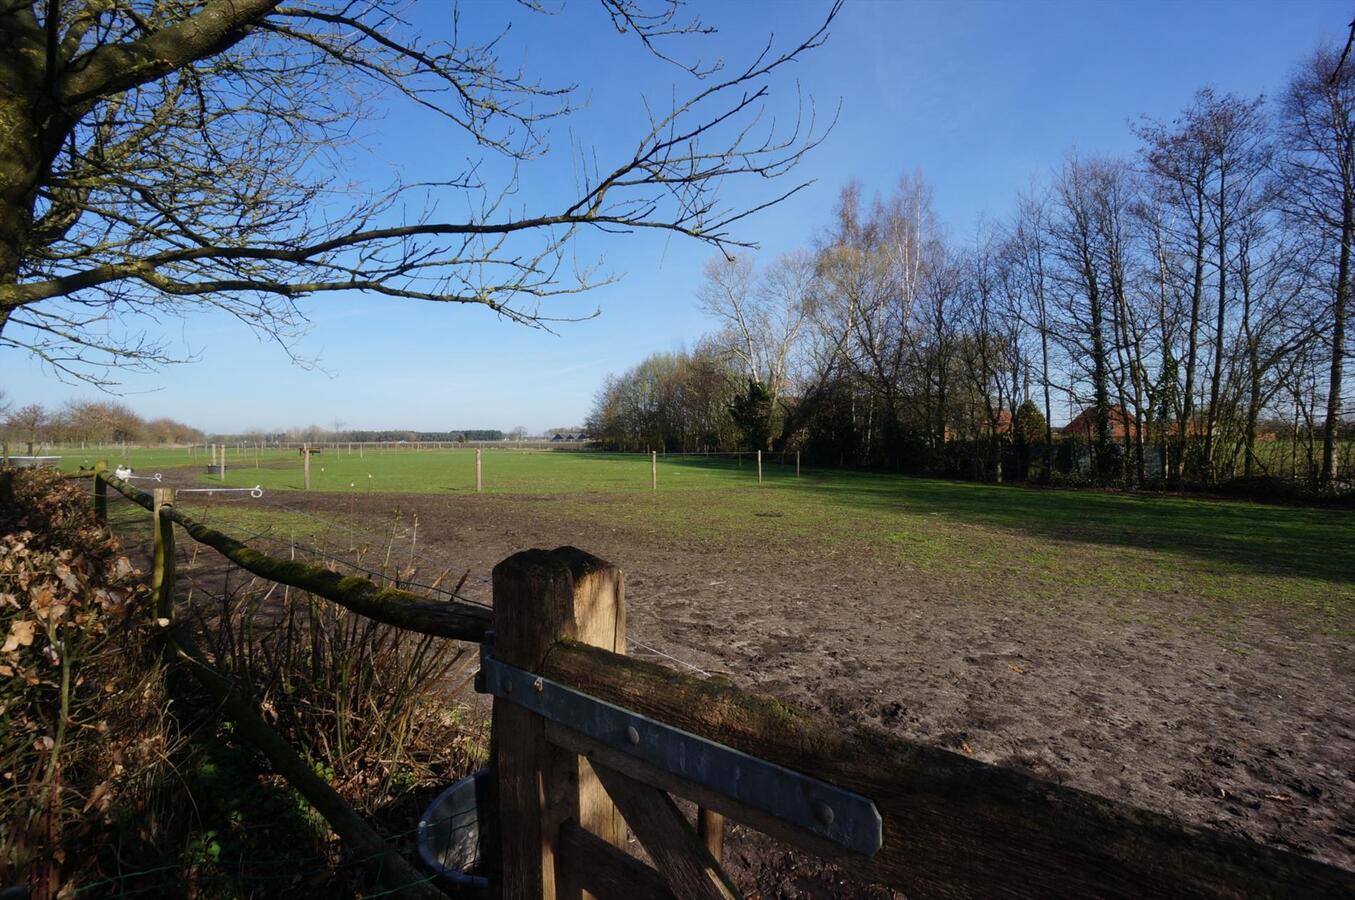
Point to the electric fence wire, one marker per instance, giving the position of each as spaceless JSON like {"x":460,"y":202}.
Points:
{"x":382,"y":576}
{"x":334,"y":524}
{"x":682,"y":662}
{"x":270,"y":534}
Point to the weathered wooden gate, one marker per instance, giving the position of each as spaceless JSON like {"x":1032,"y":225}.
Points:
{"x":583,"y":733}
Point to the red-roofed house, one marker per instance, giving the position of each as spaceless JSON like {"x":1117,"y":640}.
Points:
{"x":1084,"y":425}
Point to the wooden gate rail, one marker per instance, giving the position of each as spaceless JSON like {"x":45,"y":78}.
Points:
{"x":392,"y":606}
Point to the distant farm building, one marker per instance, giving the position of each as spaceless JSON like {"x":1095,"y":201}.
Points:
{"x":1083,"y":428}
{"x":569,"y":436}
{"x":1084,"y":424}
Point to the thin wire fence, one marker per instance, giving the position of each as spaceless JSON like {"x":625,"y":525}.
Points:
{"x":327,"y":525}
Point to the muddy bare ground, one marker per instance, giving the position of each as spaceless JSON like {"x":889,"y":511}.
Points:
{"x":1251,"y":732}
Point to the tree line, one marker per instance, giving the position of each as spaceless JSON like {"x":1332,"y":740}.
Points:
{"x":1181,"y":313}
{"x":32,"y":425}
{"x":110,"y":422}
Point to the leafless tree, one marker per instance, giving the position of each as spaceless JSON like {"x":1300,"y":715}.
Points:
{"x":1078,"y":241}
{"x":1180,"y":162}
{"x":162,"y":157}
{"x":1027,"y":271}
{"x":762,"y":316}
{"x":1317,"y":122}
{"x":28,"y":422}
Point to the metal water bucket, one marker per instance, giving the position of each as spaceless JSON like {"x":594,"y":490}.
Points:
{"x":454,"y":831}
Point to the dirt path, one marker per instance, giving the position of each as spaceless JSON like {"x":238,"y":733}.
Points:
{"x":1243,"y":724}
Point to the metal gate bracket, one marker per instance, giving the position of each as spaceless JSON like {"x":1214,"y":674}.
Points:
{"x":841,"y":816}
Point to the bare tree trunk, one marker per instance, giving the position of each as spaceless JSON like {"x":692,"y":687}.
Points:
{"x":1216,"y":377}
{"x":1338,"y":344}
{"x":1192,"y":338}
{"x":1249,"y":440}
{"x":1100,"y":381}
{"x":1048,"y":406}
{"x":18,"y":163}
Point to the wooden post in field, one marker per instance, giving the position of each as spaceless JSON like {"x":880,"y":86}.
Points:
{"x":256,"y":454}
{"x":654,"y":470}
{"x":540,"y":597}
{"x":479,"y":485}
{"x":759,"y":467}
{"x":100,"y":492}
{"x":797,"y":463}
{"x":306,"y":465}
{"x":162,"y":565}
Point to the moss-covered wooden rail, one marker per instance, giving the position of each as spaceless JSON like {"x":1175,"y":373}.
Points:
{"x":952,"y":827}
{"x":403,"y":609}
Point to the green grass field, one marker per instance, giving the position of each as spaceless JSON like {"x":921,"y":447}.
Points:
{"x":1034,"y":543}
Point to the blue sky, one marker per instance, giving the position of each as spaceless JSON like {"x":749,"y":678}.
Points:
{"x":982,"y":98}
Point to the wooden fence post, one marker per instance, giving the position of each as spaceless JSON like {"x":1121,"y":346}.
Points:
{"x":797,"y":463}
{"x":479,"y":485}
{"x":306,"y":465}
{"x":162,"y":566}
{"x":654,"y":470}
{"x":759,"y":467}
{"x":100,"y":493}
{"x":541,"y":596}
